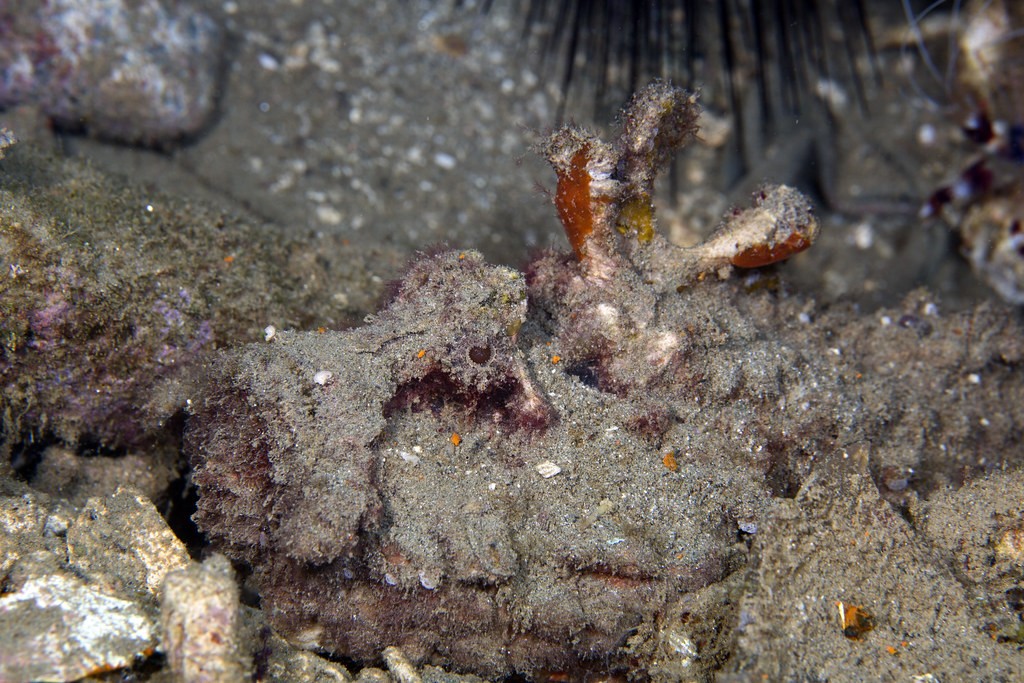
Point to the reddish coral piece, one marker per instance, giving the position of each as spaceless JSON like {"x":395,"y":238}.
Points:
{"x":763,"y":255}
{"x":572,"y":200}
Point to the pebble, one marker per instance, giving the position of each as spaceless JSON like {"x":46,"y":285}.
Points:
{"x":201,"y":623}
{"x":136,"y":71}
{"x":58,"y":628}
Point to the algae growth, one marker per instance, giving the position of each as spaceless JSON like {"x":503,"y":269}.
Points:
{"x":583,"y":483}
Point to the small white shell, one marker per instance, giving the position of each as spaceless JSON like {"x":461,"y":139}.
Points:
{"x":322,"y":377}
{"x":429,"y":580}
{"x":547,"y":469}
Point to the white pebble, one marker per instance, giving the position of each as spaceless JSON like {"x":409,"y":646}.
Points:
{"x":328,"y":215}
{"x":428,"y":580}
{"x":269,"y":332}
{"x":863,"y":236}
{"x":444,"y":160}
{"x":322,"y":377}
{"x":269,"y":62}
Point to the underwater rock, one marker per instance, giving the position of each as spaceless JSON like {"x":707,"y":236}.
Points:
{"x":57,"y":628}
{"x":137,"y":71}
{"x":201,"y":623}
{"x":146,"y":550}
{"x":63,"y":473}
{"x":80,"y":586}
{"x":111,"y":294}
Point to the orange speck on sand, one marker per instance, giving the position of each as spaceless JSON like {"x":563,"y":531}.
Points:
{"x":855,"y":620}
{"x":891,"y":650}
{"x":572,"y":200}
{"x":555,"y":359}
{"x":321,"y":329}
{"x":670,"y":461}
{"x":229,"y":259}
{"x":456,"y":439}
{"x":763,"y":255}
{"x":421,"y":353}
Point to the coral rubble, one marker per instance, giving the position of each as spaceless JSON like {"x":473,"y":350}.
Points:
{"x":201,"y":623}
{"x":80,"y":586}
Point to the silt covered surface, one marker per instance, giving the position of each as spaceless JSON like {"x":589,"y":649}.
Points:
{"x":572,"y":479}
{"x":638,"y":521}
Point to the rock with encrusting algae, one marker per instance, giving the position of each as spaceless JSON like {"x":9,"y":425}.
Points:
{"x":201,"y":623}
{"x":111,"y":294}
{"x":131,"y":70}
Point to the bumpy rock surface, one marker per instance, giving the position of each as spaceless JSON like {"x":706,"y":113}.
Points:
{"x":613,"y":460}
{"x":80,"y":587}
{"x":110,"y":295}
{"x":201,"y":622}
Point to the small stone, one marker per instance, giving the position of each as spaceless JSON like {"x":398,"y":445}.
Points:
{"x":400,"y":666}
{"x":7,"y":139}
{"x":130,"y":70}
{"x":1010,"y":546}
{"x":201,"y":620}
{"x":444,"y":160}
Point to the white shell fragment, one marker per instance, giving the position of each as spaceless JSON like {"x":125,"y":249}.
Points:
{"x":547,"y":469}
{"x":322,"y":377}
